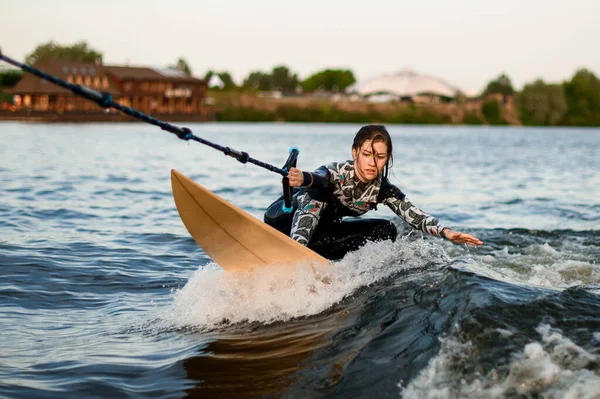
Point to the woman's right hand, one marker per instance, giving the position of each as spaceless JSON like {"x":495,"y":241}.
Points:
{"x":295,"y":177}
{"x":461,"y":238}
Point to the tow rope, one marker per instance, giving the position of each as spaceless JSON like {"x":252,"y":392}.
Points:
{"x":105,"y":100}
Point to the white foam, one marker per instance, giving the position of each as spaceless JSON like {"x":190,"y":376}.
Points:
{"x":279,"y":293}
{"x":541,"y":265}
{"x":542,"y":250}
{"x":553,"y":368}
{"x":504,"y":333}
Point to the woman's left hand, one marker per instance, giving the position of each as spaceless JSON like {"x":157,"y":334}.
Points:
{"x":462,"y":238}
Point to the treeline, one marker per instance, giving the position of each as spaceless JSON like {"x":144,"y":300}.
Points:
{"x":575,"y":102}
{"x":283,"y":80}
{"x":572,"y":103}
{"x":279,"y":79}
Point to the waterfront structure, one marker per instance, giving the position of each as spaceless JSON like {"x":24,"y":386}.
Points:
{"x":405,"y":85}
{"x":152,"y":91}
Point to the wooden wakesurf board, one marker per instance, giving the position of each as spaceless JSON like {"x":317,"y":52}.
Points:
{"x":232,"y":238}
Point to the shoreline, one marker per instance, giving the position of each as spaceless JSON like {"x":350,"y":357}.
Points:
{"x":101,"y":116}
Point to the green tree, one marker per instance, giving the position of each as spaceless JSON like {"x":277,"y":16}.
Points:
{"x":183,"y":66}
{"x":228,"y":83}
{"x":583,"y":99}
{"x":10,"y":78}
{"x":501,"y":85}
{"x":78,"y":52}
{"x":284,"y":80}
{"x":259,"y":81}
{"x":280,"y":79}
{"x":542,"y":104}
{"x":329,"y":80}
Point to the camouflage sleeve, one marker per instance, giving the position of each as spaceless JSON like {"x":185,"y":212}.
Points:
{"x":306,"y":218}
{"x":415,"y":217}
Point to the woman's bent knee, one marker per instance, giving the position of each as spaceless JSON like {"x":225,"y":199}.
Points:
{"x":385,"y":230}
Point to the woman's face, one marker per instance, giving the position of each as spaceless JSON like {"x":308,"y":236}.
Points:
{"x":368,"y":164}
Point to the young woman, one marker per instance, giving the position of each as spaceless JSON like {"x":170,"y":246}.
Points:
{"x":351,"y":188}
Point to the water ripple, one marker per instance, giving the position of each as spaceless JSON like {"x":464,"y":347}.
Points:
{"x":103,"y":293}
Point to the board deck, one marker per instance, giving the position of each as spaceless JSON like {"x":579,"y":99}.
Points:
{"x":231,"y":237}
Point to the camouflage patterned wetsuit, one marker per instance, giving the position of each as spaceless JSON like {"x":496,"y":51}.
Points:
{"x":334,"y":191}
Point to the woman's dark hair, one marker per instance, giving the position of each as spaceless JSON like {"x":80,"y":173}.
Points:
{"x":375,"y":133}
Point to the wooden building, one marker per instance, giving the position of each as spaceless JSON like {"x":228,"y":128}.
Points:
{"x":152,"y":91}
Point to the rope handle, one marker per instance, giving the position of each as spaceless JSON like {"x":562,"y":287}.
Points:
{"x":287,"y":191}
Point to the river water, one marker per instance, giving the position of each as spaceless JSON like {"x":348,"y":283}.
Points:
{"x":103,"y":293}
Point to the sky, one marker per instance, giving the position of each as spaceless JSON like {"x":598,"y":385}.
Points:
{"x":465,"y":42}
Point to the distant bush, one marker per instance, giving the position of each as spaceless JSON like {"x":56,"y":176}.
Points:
{"x":243,"y":114}
{"x":492,"y":112}
{"x":327,"y":113}
{"x":6,"y":97}
{"x":416,"y":115}
{"x":471,"y":118}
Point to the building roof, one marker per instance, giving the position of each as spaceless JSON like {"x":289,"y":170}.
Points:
{"x":143,"y":73}
{"x":30,"y":84}
{"x":60,"y":69}
{"x":405,"y":83}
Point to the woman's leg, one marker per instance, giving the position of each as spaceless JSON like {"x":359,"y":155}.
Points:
{"x":275,"y":217}
{"x":334,"y":240}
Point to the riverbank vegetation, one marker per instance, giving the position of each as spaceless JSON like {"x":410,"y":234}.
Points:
{"x":281,"y":95}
